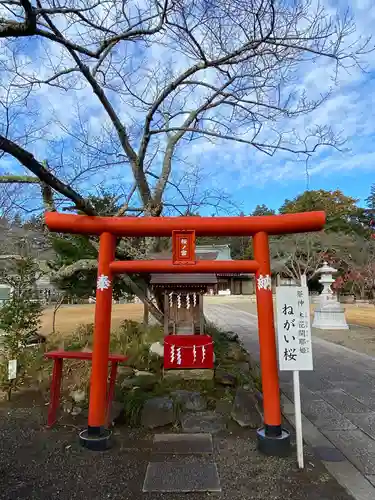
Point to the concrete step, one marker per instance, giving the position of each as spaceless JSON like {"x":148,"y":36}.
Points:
{"x":181,"y":477}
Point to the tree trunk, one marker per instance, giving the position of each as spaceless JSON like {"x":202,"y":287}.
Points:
{"x":156,"y":313}
{"x":146,"y":309}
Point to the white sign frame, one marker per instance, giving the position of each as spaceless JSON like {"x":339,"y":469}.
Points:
{"x":294,"y":332}
{"x":294,"y":328}
{"x":12,"y":369}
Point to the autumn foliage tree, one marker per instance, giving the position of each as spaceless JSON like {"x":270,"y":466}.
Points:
{"x":343,"y":213}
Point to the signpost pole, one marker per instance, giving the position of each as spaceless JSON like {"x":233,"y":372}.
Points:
{"x":297,"y":404}
{"x":298,"y":418}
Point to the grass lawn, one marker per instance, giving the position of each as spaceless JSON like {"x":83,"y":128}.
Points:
{"x":69,"y":317}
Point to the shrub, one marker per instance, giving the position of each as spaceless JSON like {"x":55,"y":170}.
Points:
{"x":19,"y":321}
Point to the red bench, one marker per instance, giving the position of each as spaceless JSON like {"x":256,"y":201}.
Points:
{"x":58,"y":357}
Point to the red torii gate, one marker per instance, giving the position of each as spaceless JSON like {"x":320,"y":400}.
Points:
{"x":272,"y":439}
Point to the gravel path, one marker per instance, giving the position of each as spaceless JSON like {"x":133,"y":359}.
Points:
{"x":37,"y":464}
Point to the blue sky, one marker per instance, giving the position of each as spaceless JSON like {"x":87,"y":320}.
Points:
{"x":243,"y":173}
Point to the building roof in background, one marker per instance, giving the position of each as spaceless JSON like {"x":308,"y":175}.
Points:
{"x":188,"y":279}
{"x":167,"y":255}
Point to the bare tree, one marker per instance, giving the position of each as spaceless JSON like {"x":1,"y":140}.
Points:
{"x":302,"y":254}
{"x":161,"y":77}
{"x":356,"y":261}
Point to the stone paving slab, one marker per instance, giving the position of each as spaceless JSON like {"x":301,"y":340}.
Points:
{"x":325,"y":416}
{"x":183,"y":444}
{"x":287,"y":388}
{"x":356,"y":446}
{"x":350,"y":477}
{"x":328,"y":454}
{"x":343,"y":470}
{"x":361,"y":392}
{"x":343,"y":402}
{"x":371,"y":479}
{"x":365,"y":421}
{"x":315,"y":383}
{"x":176,"y":477}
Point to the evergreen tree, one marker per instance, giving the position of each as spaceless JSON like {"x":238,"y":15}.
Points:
{"x":343,"y":213}
{"x":70,"y":248}
{"x":370,"y":200}
{"x":263,"y":210}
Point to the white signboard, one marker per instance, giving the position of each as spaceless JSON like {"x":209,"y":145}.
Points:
{"x":12,"y":369}
{"x":293,"y":328}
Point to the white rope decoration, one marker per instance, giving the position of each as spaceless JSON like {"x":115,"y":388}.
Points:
{"x":179,"y":301}
{"x":176,"y":353}
{"x":172,"y":353}
{"x":171,"y":299}
{"x":187,"y":301}
{"x":194,"y":299}
{"x":179,"y":360}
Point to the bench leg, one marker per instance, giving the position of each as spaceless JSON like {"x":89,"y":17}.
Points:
{"x":55,"y":392}
{"x":111,"y":390}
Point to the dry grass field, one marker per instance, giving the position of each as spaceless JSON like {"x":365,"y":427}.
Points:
{"x":69,"y":317}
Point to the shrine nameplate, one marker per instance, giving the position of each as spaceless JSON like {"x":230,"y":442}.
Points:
{"x":183,"y":247}
{"x":188,"y":351}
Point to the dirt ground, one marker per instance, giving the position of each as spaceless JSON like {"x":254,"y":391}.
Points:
{"x":69,"y":317}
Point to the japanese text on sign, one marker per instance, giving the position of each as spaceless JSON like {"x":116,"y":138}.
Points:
{"x":183,"y":243}
{"x":293,"y":328}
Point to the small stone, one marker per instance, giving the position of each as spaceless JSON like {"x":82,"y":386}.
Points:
{"x":140,"y":373}
{"x":231,"y":336}
{"x":157,"y":412}
{"x":236,"y":353}
{"x":190,"y":401}
{"x":157,"y":348}
{"x":78,"y":396}
{"x":117,"y":413}
{"x":207,"y":421}
{"x":243,"y":367}
{"x":189,"y":374}
{"x":144,"y":382}
{"x":225,"y":378}
{"x":76,"y":411}
{"x":245,"y":409}
{"x":125,"y":371}
{"x":67,"y":406}
{"x":223,"y":406}
{"x":86,"y":349}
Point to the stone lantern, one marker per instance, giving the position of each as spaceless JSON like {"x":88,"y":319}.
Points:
{"x":329,"y":314}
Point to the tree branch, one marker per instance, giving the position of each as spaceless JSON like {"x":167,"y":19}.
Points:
{"x":139,"y":175}
{"x":44,"y":175}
